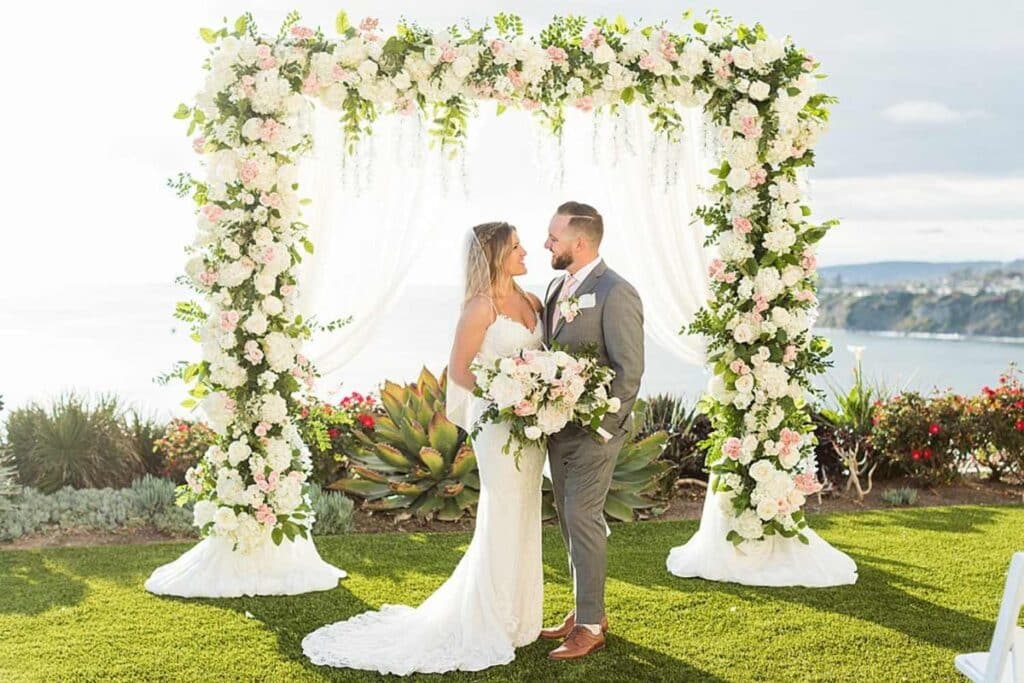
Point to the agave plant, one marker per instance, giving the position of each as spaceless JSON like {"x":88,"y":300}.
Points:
{"x":686,"y":428}
{"x":415,"y":458}
{"x":638,"y":472}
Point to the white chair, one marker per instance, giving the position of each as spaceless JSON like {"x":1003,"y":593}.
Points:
{"x":1004,"y":662}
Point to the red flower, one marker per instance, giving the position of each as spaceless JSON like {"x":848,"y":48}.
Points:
{"x":1019,"y":404}
{"x":933,"y":428}
{"x":916,"y":455}
{"x":1019,"y":426}
{"x":305,"y":412}
{"x":927,"y":453}
{"x":366,"y":420}
{"x":182,"y":427}
{"x":334,"y":432}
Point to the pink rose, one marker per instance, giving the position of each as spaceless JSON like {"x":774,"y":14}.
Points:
{"x":250,"y":171}
{"x":584,"y":104}
{"x":268,"y":63}
{"x":405,"y":106}
{"x":807,"y":483}
{"x":732,"y":448}
{"x":497,"y":46}
{"x":449,"y":54}
{"x":212,"y":212}
{"x":757,"y":176}
{"x":263,"y":427}
{"x":789,"y":355}
{"x":369,"y":24}
{"x":263,"y":51}
{"x":208,"y":278}
{"x":266,"y":484}
{"x":339,"y":73}
{"x":809,"y":262}
{"x":311,"y":85}
{"x":515,"y":77}
{"x":739,"y":367}
{"x":198,"y":144}
{"x":228,"y":320}
{"x":559,"y":57}
{"x":270,"y":130}
{"x":647,"y":62}
{"x":524,"y":408}
{"x":742,"y":225}
{"x":254,"y":354}
{"x":530,"y":105}
{"x":271,"y":200}
{"x":287,"y":290}
{"x":301,"y":32}
{"x":265,"y":515}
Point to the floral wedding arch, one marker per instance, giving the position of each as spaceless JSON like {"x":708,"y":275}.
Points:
{"x":252,"y":119}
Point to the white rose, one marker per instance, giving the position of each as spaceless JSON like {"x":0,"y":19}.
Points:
{"x":759,"y":90}
{"x":789,"y":461}
{"x":604,"y":54}
{"x":256,"y":323}
{"x":781,"y":240}
{"x":275,"y":409}
{"x":252,"y":128}
{"x":225,"y":520}
{"x":738,"y":178}
{"x":614,"y":404}
{"x":215,"y":406}
{"x":761,"y":470}
{"x":279,"y":454}
{"x":238,"y":451}
{"x":767,"y":509}
{"x":272,"y":305}
{"x":463,"y":66}
{"x":279,"y":352}
{"x":265,"y":282}
{"x":203,"y":512}
{"x":506,"y":391}
{"x":748,"y":525}
{"x":745,"y":383}
{"x":742,"y":58}
{"x":533,"y":432}
{"x":551,"y":419}
{"x":744,"y":333}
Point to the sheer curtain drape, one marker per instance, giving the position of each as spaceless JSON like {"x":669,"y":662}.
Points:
{"x":372,"y":215}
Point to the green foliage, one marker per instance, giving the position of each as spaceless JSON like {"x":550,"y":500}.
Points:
{"x":415,"y":459}
{"x":922,"y":436}
{"x":333,"y":511}
{"x":74,"y":442}
{"x":686,"y":427}
{"x":900,"y":496}
{"x":144,"y":433}
{"x":638,"y":471}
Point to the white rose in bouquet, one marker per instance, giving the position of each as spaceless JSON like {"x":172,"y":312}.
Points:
{"x":533,"y":432}
{"x":203,"y":512}
{"x":767,"y":509}
{"x":238,"y":452}
{"x":748,"y":525}
{"x":506,"y":391}
{"x":552,"y":418}
{"x":761,"y":470}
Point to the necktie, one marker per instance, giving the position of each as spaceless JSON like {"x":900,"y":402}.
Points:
{"x":568,"y":287}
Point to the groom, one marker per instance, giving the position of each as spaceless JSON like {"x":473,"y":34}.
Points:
{"x":591,"y":306}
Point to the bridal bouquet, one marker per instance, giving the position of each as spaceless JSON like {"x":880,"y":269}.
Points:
{"x":537,"y":393}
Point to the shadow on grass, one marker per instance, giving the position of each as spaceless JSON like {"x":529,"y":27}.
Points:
{"x":30,"y":587}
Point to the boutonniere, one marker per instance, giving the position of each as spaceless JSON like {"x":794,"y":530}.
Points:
{"x":571,"y":307}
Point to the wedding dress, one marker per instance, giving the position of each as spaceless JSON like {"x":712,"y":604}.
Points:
{"x":493,"y":601}
{"x":775,"y":561}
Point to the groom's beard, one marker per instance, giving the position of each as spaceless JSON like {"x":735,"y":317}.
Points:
{"x":561,"y":262}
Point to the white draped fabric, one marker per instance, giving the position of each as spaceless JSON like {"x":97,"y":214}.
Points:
{"x":776,"y":561}
{"x":212,"y":569}
{"x":651,"y":188}
{"x":371,"y":217}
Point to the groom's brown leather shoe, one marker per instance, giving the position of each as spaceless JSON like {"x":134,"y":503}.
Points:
{"x":580,"y":643}
{"x":562,"y":630}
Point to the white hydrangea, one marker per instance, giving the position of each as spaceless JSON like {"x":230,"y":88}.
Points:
{"x":279,"y":351}
{"x":279,"y":454}
{"x":274,"y":409}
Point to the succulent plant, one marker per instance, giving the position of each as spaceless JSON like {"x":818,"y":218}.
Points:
{"x":686,"y":429}
{"x":638,"y":472}
{"x":415,"y":458}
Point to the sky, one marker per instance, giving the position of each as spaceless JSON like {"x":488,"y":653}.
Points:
{"x":922,"y":160}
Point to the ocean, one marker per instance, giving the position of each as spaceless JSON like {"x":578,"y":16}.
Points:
{"x":118,"y":339}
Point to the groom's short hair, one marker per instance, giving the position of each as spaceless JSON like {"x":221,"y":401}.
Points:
{"x":585,"y":218}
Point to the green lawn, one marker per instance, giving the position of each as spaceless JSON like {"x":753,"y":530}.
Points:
{"x":930,"y":585}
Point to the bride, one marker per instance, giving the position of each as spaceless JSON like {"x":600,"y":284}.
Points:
{"x":492,"y":603}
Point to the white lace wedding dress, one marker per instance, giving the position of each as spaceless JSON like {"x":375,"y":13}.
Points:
{"x":775,"y":561}
{"x":493,"y":601}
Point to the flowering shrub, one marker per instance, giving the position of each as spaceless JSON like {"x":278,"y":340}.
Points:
{"x":329,"y":431}
{"x":920,"y":436}
{"x":996,"y":419}
{"x":184,"y":442}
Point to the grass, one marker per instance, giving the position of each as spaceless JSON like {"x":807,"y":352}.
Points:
{"x":930,"y":583}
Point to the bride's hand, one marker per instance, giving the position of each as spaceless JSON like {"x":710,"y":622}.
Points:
{"x":477,"y":316}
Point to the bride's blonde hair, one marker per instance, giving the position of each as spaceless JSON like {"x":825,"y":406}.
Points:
{"x":489,"y":247}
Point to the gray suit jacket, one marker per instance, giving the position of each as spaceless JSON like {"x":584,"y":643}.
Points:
{"x":615,"y":326}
